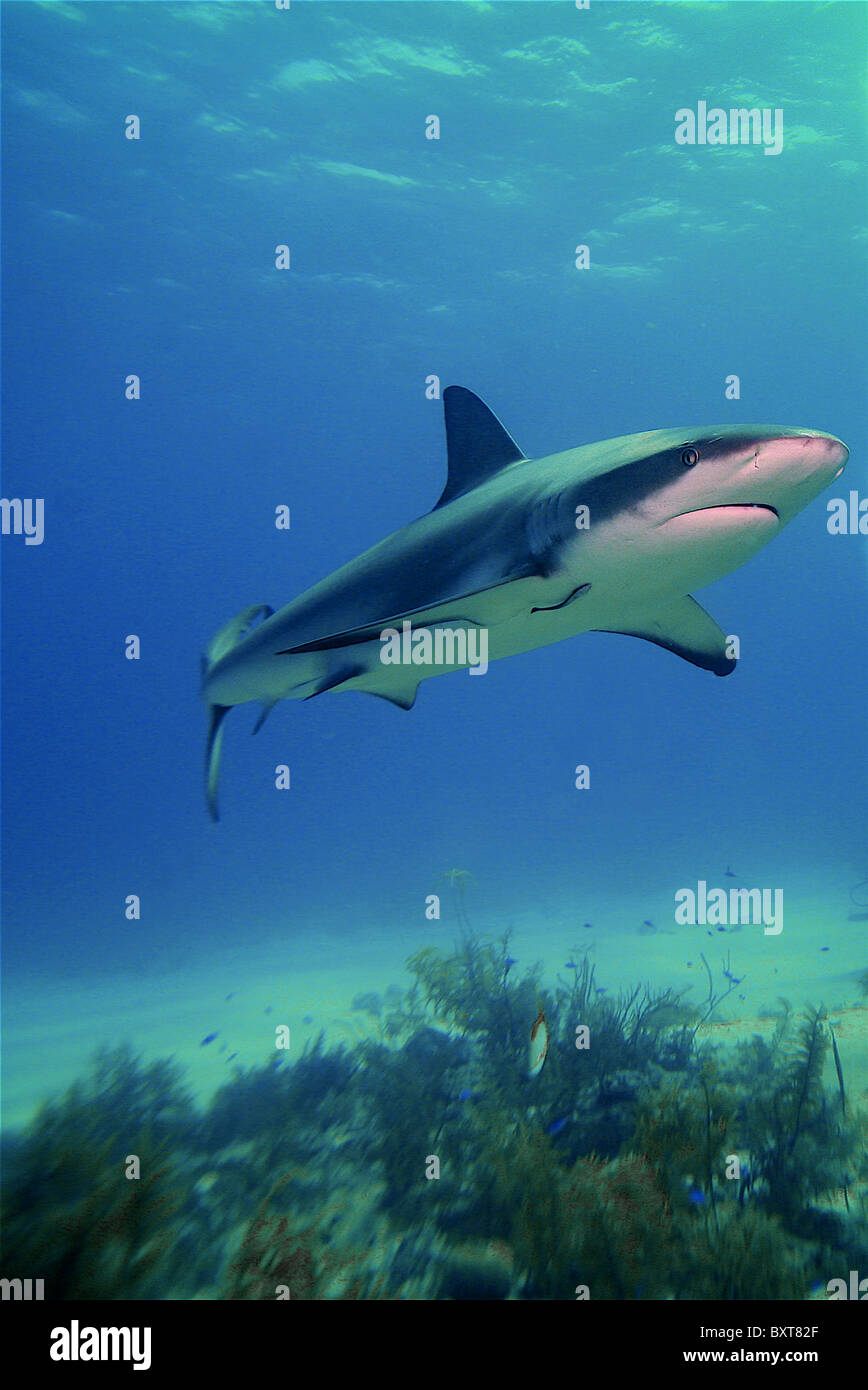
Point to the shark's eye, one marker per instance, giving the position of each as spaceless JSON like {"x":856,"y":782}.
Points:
{"x":690,"y":457}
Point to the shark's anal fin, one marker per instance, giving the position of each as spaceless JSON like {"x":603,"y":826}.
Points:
{"x":477,"y":445}
{"x":684,"y":627}
{"x":263,"y":715}
{"x":213,"y":748}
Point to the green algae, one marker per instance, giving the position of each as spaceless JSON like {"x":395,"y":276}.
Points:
{"x":644,"y":1164}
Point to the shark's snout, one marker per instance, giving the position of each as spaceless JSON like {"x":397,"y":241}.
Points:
{"x":838,"y":454}
{"x":811,"y":453}
{"x":792,"y":466}
{"x":828,"y":452}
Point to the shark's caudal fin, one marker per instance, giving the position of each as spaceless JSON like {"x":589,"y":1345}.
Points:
{"x":477,"y":445}
{"x":220,"y":645}
{"x":213,"y":749}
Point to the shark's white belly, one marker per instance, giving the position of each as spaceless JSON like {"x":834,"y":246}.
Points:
{"x":629,"y":580}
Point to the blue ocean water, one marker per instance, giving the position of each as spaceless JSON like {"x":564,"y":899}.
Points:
{"x":411,"y":258}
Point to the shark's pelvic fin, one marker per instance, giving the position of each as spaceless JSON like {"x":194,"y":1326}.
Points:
{"x":477,"y":445}
{"x":401,"y":688}
{"x":684,"y":627}
{"x":335,"y":679}
{"x":404,"y":699}
{"x":213,"y":748}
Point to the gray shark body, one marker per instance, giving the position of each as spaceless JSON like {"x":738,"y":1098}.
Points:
{"x":608,"y":537}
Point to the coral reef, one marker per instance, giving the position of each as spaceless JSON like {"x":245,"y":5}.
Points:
{"x":639,"y":1163}
{"x":70,"y":1212}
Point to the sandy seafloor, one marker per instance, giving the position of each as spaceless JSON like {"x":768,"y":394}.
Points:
{"x":52,"y":1027}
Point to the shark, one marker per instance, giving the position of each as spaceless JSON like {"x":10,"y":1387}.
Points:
{"x":522,"y":552}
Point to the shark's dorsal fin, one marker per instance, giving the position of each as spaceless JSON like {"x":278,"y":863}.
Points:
{"x":477,"y":445}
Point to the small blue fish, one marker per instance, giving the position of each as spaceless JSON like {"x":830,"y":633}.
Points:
{"x":824,"y":948}
{"x":466,"y":1094}
{"x":210,"y":1038}
{"x":557,"y":1125}
{"x":269,"y":1009}
{"x":228,"y":997}
{"x":231,"y":1055}
{"x":697,"y":1196}
{"x":571,"y":965}
{"x":510,"y":960}
{"x":308,"y":1018}
{"x":601,"y":989}
{"x":589,"y":926}
{"x":729,"y":873}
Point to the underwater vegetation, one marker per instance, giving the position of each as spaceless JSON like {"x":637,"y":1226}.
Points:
{"x":68,"y":1207}
{"x":639,"y":1161}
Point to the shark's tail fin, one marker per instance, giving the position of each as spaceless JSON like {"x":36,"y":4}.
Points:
{"x":213,"y":749}
{"x":220,"y":645}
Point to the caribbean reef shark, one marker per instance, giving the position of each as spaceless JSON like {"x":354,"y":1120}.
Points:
{"x":520,"y":552}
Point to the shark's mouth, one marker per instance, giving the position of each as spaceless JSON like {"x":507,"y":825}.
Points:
{"x":733,"y":507}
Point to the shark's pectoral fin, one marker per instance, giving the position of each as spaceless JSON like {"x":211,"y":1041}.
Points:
{"x":213,"y":749}
{"x":684,"y":627}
